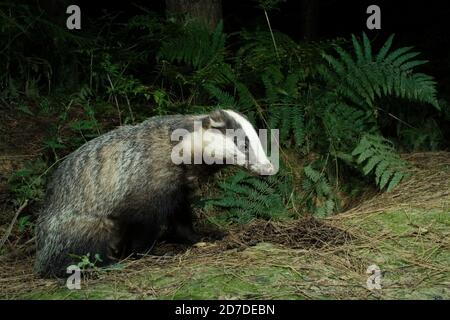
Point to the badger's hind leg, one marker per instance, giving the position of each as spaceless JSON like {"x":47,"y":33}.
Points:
{"x":61,"y":244}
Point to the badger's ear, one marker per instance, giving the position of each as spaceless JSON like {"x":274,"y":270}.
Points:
{"x":216,"y":120}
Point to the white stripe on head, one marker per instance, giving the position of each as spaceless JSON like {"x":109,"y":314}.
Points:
{"x":219,"y":148}
{"x":255,"y":146}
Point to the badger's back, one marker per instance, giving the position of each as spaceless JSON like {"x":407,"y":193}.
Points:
{"x":111,"y":168}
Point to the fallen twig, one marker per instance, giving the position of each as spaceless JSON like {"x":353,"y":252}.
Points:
{"x":11,"y":225}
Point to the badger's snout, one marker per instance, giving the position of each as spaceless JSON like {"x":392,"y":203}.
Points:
{"x":265,"y":169}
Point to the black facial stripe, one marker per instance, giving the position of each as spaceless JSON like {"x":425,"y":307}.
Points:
{"x":230,"y":122}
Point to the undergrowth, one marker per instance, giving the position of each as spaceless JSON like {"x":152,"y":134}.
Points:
{"x":330,"y":99}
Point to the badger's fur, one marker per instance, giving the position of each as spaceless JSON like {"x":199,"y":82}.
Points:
{"x":120,"y":192}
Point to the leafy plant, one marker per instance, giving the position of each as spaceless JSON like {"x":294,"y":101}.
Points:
{"x":86,"y":263}
{"x":287,"y":107}
{"x":246,"y":197}
{"x":196,"y":46}
{"x":202,"y":50}
{"x":428,"y":136}
{"x":334,"y":111}
{"x":320,"y":198}
{"x":24,"y":223}
{"x":29,"y":181}
{"x":379,"y":158}
{"x":195,"y":61}
{"x":344,"y":125}
{"x":365,"y":76}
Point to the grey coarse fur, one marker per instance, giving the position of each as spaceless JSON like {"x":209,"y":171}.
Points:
{"x":116,"y":194}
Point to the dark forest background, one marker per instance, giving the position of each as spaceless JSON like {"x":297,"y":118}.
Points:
{"x":348,"y":101}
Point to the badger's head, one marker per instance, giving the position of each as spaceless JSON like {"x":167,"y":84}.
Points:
{"x":226,"y":137}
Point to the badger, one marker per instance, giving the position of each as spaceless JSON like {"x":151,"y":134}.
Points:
{"x":122,"y":191}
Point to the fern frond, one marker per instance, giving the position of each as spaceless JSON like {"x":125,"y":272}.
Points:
{"x":224,"y":99}
{"x":320,"y":197}
{"x":244,"y":196}
{"x":385,"y":49}
{"x":286,"y":112}
{"x":362,"y":79}
{"x":195,"y":46}
{"x":367,"y":48}
{"x":377,"y":153}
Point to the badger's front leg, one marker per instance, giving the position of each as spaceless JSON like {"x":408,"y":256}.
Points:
{"x":168,"y":219}
{"x":139,"y":238}
{"x":183,"y":232}
{"x":180,"y":226}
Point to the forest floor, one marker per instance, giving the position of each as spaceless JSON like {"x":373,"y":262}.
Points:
{"x":406,"y":233}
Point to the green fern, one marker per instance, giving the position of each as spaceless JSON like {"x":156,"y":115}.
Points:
{"x":224,"y":98}
{"x":200,"y":54}
{"x":245,"y":196}
{"x":365,"y":76}
{"x":28,"y":182}
{"x":257,"y":54}
{"x":286,"y":107}
{"x":195,"y":46}
{"x":241,"y":99}
{"x":320,"y":198}
{"x":344,"y":125}
{"x":377,"y":156}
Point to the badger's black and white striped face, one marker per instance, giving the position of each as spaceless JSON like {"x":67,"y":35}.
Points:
{"x":231,"y":137}
{"x":222,"y":137}
{"x":240,"y":140}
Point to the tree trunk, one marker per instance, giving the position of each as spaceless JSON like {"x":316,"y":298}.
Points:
{"x":309,"y":19}
{"x":209,"y":11}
